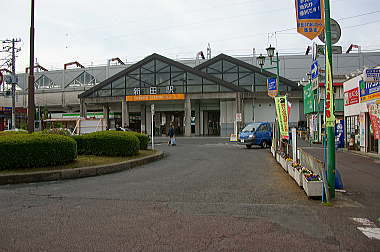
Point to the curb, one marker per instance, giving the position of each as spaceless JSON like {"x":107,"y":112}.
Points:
{"x":82,"y":172}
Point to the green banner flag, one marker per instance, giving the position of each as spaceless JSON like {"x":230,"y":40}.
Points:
{"x":282,"y":115}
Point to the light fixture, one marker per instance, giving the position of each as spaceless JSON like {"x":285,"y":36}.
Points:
{"x":260,"y":60}
{"x":270,"y":51}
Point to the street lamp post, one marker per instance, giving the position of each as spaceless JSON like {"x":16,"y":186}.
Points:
{"x":261,"y":61}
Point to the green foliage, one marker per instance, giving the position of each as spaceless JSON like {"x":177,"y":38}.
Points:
{"x":63,"y":132}
{"x":35,"y":150}
{"x":108,"y":143}
{"x":143,"y":138}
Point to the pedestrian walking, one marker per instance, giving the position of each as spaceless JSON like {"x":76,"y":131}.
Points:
{"x":171,"y":135}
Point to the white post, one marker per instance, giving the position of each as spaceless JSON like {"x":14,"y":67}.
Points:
{"x":294,"y":144}
{"x":152,"y":112}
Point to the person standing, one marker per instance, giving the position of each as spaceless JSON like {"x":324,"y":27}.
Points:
{"x":171,"y":135}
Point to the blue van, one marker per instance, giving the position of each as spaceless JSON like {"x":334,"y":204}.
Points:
{"x":257,"y":133}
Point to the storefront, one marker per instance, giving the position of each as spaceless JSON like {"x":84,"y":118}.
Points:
{"x":362,"y":113}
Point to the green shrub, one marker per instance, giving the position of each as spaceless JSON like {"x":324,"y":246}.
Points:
{"x":108,"y":143}
{"x":63,"y":132}
{"x":5,"y":133}
{"x":143,"y":138}
{"x":35,"y":150}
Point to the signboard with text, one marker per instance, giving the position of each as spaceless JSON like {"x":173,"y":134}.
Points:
{"x":369,"y":91}
{"x":372,"y":75}
{"x":272,"y":87}
{"x":351,"y":97}
{"x":157,"y":97}
{"x":310,"y":17}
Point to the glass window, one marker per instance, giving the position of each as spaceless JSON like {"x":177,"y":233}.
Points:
{"x":148,"y":68}
{"x":178,"y":79}
{"x":246,"y":79}
{"x":193,"y":79}
{"x":104,"y":92}
{"x":210,"y":88}
{"x":260,"y":80}
{"x":118,"y":92}
{"x":162,"y":67}
{"x":260,"y":88}
{"x":194,"y":89}
{"x":163,"y":79}
{"x":230,"y":77}
{"x":228,"y":67}
{"x":147,"y":79}
{"x":215,"y":68}
{"x":132,"y":82}
{"x":119,"y":83}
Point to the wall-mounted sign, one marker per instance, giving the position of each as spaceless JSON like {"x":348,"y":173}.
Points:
{"x":272,"y":87}
{"x":157,"y":97}
{"x":369,"y":91}
{"x":310,"y":17}
{"x":351,"y":97}
{"x":371,"y":75}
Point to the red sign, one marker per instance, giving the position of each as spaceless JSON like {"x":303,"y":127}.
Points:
{"x":351,"y":97}
{"x":374,"y":113}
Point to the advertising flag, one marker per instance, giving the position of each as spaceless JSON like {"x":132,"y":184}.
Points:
{"x":310,"y":17}
{"x":272,"y":87}
{"x":330,"y":118}
{"x":282,"y":115}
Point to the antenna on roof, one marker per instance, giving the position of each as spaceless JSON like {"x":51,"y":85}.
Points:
{"x":208,"y":51}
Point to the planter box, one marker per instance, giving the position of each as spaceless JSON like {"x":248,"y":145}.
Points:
{"x":291,"y":170}
{"x":284,"y":163}
{"x":277,"y":157}
{"x":312,"y":188}
{"x":272,"y":150}
{"x":298,"y":177}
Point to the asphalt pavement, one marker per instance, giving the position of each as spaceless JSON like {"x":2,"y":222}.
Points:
{"x":206,"y":195}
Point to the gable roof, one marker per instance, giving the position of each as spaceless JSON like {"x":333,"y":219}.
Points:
{"x":246,"y":65}
{"x":168,"y":61}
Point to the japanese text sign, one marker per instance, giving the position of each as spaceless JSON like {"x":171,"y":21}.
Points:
{"x":351,"y":97}
{"x":374,"y":113}
{"x":369,"y":91}
{"x":310,"y":17}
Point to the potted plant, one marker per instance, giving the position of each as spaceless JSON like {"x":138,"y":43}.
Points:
{"x":312,"y":184}
{"x":290,"y":167}
{"x":283,"y":163}
{"x":299,"y":170}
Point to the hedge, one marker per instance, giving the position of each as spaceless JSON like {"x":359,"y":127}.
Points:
{"x":108,"y":143}
{"x":143,"y":138}
{"x":35,"y":150}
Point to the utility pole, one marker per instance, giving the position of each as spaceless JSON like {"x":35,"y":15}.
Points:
{"x":31,"y":106}
{"x":330,"y":118}
{"x":13,"y":51}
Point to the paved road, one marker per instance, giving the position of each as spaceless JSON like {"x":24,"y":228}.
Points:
{"x":207,"y":195}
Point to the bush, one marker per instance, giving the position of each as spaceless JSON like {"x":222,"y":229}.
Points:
{"x":63,"y":132}
{"x":108,"y":143}
{"x":143,"y":138}
{"x":35,"y":150}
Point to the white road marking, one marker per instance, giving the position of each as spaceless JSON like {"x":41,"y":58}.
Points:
{"x":370,"y":232}
{"x":364,"y":222}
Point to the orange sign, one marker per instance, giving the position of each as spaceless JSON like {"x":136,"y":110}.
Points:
{"x":157,"y":97}
{"x":310,"y":17}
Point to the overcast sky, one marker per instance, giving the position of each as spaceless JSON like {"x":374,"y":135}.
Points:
{"x":92,"y":31}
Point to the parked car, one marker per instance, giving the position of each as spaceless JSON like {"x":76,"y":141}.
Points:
{"x":257,"y":133}
{"x":122,"y":129}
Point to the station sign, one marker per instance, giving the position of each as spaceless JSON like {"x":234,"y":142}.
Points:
{"x":157,"y":97}
{"x":272,"y":87}
{"x":310,"y":17}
